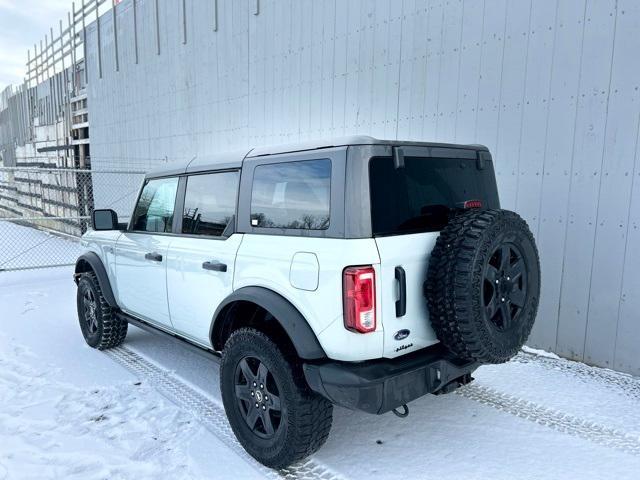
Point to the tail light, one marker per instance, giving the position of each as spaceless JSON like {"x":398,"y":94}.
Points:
{"x":359,"y":295}
{"x":472,"y":204}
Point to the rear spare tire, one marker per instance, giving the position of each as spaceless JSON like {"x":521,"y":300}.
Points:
{"x":483,"y":285}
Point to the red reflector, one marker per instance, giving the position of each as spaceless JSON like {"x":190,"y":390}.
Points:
{"x":359,"y":295}
{"x":473,"y":204}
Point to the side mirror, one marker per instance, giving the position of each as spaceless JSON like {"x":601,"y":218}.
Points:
{"x":104,"y":220}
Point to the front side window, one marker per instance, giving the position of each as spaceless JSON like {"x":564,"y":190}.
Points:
{"x":292,"y":195}
{"x":154,"y":211}
{"x":209,"y":203}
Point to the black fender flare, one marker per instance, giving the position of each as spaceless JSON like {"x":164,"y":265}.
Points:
{"x":290,"y":319}
{"x":101,"y":273}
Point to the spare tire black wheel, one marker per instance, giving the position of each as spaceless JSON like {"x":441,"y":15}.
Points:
{"x":483,"y":285}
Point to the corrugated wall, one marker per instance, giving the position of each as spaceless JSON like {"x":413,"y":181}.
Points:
{"x":552,"y":87}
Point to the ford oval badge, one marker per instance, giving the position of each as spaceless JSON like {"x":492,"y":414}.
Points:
{"x":402,"y":334}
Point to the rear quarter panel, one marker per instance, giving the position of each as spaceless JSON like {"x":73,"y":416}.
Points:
{"x":267,"y":261}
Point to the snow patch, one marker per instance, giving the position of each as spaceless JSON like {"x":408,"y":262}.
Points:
{"x":540,"y":353}
{"x":52,"y":429}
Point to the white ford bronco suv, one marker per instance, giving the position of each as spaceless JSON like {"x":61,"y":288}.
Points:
{"x":356,"y":272}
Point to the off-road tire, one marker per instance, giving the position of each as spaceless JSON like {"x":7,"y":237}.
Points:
{"x":456,"y":284}
{"x":111,"y":330}
{"x":306,"y":416}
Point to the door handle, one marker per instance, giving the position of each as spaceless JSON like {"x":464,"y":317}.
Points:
{"x":215,"y":266}
{"x":401,"y":303}
{"x":156,"y":257}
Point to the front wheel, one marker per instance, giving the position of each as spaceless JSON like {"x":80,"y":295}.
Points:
{"x":100,"y":325}
{"x":273,"y":413}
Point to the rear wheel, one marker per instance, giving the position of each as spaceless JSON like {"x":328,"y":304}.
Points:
{"x":273,"y":413}
{"x":100,"y":326}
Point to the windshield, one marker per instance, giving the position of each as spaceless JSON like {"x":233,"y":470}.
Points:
{"x":420,"y":196}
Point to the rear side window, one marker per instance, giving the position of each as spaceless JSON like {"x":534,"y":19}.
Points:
{"x":419,"y":197}
{"x":209,"y":203}
{"x":154,"y":211}
{"x":292,"y":195}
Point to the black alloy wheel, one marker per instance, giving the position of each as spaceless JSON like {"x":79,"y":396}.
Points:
{"x":101,"y":327}
{"x":257,"y":397}
{"x":505,"y":287}
{"x":90,"y":311}
{"x":272,"y":411}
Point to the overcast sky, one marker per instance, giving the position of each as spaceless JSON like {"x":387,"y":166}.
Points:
{"x":22,"y":24}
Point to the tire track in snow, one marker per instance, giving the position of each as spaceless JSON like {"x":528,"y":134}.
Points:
{"x":585,"y":429}
{"x":620,"y":382}
{"x":210,"y":414}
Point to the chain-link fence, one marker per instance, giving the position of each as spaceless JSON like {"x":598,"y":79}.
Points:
{"x":44,"y":211}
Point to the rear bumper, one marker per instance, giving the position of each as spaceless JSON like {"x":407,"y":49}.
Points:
{"x":379,"y":386}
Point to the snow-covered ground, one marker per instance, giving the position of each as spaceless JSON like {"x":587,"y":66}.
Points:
{"x":151,"y":409}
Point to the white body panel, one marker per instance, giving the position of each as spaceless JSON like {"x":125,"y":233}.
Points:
{"x":179,"y":295}
{"x":193,"y":292}
{"x":266,"y":261}
{"x":305,"y":271}
{"x":411,"y":252}
{"x":103,"y":244}
{"x":142,"y":285}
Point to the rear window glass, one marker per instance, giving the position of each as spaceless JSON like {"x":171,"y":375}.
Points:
{"x":419,"y":196}
{"x":292,"y":195}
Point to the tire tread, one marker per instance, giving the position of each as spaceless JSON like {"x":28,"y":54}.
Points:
{"x":453,"y":270}
{"x":114,"y":329}
{"x":314,"y":414}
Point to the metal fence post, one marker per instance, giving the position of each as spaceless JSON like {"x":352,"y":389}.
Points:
{"x":135,"y":30}
{"x":98,"y":39}
{"x":215,"y":15}
{"x":84,"y":45}
{"x":157,"y":15}
{"x":115,"y":34}
{"x":184,"y":22}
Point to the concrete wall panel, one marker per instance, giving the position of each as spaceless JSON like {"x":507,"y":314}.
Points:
{"x":551,"y":87}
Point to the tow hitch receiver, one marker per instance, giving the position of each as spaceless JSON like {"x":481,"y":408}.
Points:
{"x":455,"y":384}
